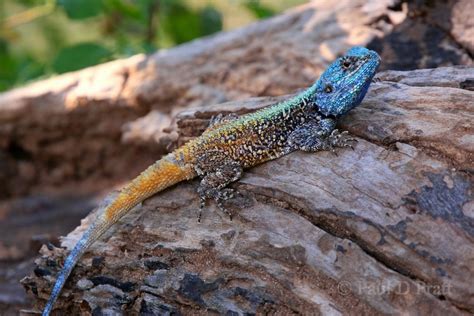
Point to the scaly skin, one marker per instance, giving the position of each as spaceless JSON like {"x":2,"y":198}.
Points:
{"x":305,"y":122}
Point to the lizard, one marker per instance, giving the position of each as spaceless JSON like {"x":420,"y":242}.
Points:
{"x":231,"y":144}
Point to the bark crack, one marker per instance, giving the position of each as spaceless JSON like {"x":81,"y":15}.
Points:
{"x":333,"y":227}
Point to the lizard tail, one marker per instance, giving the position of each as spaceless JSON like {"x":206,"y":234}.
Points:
{"x":159,"y":176}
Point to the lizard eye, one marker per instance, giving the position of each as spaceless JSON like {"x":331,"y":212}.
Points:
{"x":346,"y":64}
{"x":328,"y":88}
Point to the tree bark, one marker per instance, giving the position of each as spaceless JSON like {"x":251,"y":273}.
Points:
{"x":387,"y":228}
{"x":312,"y":232}
{"x":76,"y":130}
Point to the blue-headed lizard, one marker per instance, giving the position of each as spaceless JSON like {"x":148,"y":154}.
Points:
{"x":231,"y":144}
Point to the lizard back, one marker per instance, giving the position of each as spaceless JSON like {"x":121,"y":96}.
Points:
{"x":255,"y":137}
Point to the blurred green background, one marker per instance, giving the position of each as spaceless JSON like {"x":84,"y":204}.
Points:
{"x":39,"y":38}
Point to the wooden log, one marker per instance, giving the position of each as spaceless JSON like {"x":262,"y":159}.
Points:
{"x":66,"y":139}
{"x":385,"y":229}
{"x":77,"y":130}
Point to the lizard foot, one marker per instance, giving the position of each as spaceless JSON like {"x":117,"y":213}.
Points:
{"x":339,"y":139}
{"x":219,"y":196}
{"x":217,"y":171}
{"x":317,"y":136}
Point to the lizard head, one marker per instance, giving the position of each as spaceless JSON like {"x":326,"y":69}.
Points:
{"x":345,"y":82}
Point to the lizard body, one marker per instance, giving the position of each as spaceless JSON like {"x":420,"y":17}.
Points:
{"x":305,"y":122}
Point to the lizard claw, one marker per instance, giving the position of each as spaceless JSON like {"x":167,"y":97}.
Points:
{"x":341,"y":139}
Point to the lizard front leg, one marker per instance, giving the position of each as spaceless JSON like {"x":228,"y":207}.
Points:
{"x":319,"y":135}
{"x":216,"y":171}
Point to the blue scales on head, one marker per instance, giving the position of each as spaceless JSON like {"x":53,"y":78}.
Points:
{"x":344,"y":84}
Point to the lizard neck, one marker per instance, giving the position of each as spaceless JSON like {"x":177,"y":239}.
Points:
{"x":301,"y":104}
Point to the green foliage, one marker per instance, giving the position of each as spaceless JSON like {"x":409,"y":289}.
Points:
{"x":211,"y":20}
{"x":127,"y":9}
{"x":39,"y":38}
{"x":80,"y":56}
{"x":16,"y":69}
{"x":259,"y":10}
{"x":180,"y":22}
{"x":81,"y":9}
{"x":8,"y":68}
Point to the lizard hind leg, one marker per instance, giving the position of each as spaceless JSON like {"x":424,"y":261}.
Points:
{"x":216,"y":171}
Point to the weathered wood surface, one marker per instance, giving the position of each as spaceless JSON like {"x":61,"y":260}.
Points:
{"x":385,"y":229}
{"x":73,"y":129}
{"x":65,"y":140}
